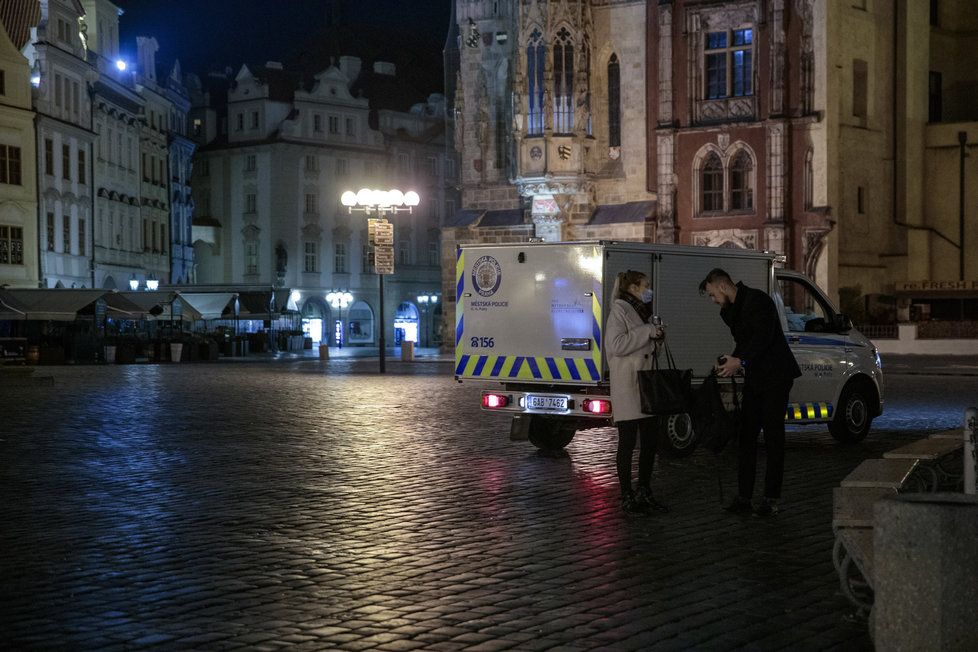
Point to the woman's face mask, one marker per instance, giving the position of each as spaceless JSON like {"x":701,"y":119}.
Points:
{"x":647,"y":295}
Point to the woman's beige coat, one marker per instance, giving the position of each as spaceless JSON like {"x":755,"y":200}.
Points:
{"x":628,"y":346}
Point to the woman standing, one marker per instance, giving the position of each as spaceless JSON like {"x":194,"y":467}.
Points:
{"x":629,"y":338}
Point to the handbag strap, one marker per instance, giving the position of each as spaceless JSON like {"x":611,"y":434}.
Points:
{"x":670,"y":361}
{"x":736,"y":398}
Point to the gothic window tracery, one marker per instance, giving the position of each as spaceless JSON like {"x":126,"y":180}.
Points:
{"x":563,"y":82}
{"x":536,"y":55}
{"x":741,"y":192}
{"x":712,"y":183}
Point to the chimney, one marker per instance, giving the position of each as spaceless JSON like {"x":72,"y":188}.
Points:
{"x":147,"y":47}
{"x":385,"y":68}
{"x":351,"y":66}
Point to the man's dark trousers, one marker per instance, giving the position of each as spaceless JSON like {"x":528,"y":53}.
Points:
{"x":762,"y":407}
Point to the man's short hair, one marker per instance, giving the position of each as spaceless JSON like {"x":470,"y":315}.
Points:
{"x":716,"y":274}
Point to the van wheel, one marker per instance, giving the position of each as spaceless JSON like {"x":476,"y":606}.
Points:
{"x":550,"y":434}
{"x":676,"y":432}
{"x":853,"y":416}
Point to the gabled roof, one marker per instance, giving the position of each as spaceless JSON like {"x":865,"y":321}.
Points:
{"x":18,"y":16}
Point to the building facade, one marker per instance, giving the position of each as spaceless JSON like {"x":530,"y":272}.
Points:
{"x":275,"y":154}
{"x":836,"y":133}
{"x":18,"y":181}
{"x":64,"y":144}
{"x":180,"y":153}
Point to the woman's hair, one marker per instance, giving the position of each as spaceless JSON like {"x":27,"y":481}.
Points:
{"x":625,"y":280}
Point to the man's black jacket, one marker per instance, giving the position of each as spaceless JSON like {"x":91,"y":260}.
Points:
{"x":760,"y":342}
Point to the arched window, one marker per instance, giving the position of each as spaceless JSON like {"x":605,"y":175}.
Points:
{"x":563,"y":83}
{"x":741,"y":193}
{"x":614,"y":102}
{"x":711,"y":185}
{"x":536,"y":56}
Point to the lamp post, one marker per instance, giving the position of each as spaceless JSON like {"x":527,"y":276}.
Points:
{"x":380,"y":203}
{"x":152,"y":283}
{"x":339,"y":300}
{"x":133,"y":283}
{"x":426,"y":300}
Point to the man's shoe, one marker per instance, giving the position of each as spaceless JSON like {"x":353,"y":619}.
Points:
{"x":739,"y":505}
{"x":766,"y":508}
{"x":645,"y":497}
{"x":630,"y":505}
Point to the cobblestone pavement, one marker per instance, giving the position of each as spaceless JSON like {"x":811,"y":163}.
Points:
{"x":321,"y":506}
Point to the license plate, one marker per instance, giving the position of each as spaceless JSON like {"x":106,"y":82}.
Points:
{"x":550,"y":403}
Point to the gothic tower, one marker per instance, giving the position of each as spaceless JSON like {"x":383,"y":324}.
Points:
{"x":540,"y":101}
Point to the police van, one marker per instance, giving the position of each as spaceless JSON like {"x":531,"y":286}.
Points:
{"x":530,"y":319}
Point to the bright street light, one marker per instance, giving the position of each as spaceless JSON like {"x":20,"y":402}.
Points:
{"x":152,"y":283}
{"x":380,"y":203}
{"x":133,"y":283}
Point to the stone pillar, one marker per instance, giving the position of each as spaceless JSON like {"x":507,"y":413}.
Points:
{"x":926,"y":572}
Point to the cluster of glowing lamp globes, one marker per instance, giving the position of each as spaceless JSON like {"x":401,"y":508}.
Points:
{"x":152,"y":283}
{"x":496,"y":401}
{"x":380,"y":199}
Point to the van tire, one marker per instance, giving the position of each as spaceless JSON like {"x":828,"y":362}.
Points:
{"x":854,"y":414}
{"x":676,"y":434}
{"x":551,"y":434}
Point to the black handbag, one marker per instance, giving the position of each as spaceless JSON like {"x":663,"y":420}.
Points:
{"x":713,"y":423}
{"x":665,"y":390}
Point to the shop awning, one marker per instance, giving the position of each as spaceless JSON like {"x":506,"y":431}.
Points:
{"x":636,"y":211}
{"x":53,"y":304}
{"x":159,"y":305}
{"x":506,"y":217}
{"x":283,"y":302}
{"x":464,"y":217}
{"x":10,"y":308}
{"x":209,"y":305}
{"x":121,"y":307}
{"x":255,"y":304}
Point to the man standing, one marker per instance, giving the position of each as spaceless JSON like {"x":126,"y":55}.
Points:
{"x":769,"y":367}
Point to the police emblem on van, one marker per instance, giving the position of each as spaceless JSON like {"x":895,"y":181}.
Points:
{"x":486,"y":276}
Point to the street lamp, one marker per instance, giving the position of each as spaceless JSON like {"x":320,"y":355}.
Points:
{"x":152,"y":284}
{"x":340,"y":300}
{"x":379,"y":203}
{"x":133,"y":283}
{"x":426,"y":300}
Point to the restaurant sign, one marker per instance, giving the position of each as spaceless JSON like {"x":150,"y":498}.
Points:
{"x":937,"y":286}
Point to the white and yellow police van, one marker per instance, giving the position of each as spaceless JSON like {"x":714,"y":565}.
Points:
{"x":530,"y":317}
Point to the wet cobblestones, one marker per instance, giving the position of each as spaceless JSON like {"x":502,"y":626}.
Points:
{"x":320,"y":506}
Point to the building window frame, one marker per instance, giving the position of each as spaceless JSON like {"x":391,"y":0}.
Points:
{"x":728,"y":63}
{"x":10,"y":165}
{"x":536,"y":63}
{"x":310,"y":257}
{"x":340,"y":264}
{"x":563,"y":71}
{"x":11,"y":244}
{"x":614,"y":101}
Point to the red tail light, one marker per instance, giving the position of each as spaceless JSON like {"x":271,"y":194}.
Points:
{"x":596,"y":406}
{"x":495,"y":400}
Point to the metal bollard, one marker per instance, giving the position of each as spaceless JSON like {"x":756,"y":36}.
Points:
{"x":970,"y":450}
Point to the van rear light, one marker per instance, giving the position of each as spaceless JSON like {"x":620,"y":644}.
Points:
{"x":596,"y":406}
{"x":495,"y":400}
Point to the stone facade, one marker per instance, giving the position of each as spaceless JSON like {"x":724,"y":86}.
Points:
{"x":64,"y":144}
{"x":276,"y":155}
{"x":18,"y":168}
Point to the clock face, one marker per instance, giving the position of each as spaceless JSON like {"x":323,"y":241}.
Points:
{"x":536,"y":153}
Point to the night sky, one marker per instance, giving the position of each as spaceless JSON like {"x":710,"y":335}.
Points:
{"x":211,"y":34}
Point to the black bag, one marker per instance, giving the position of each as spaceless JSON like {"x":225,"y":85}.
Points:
{"x":665,"y":391}
{"x":713,"y":424}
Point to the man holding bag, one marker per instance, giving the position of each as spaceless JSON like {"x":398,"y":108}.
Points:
{"x":769,"y":367}
{"x":629,"y":339}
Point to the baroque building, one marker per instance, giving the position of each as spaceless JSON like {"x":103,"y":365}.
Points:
{"x":277,"y":148}
{"x":18,"y":183}
{"x":65,"y":142}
